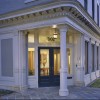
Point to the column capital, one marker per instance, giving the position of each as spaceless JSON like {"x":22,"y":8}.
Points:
{"x":63,"y":27}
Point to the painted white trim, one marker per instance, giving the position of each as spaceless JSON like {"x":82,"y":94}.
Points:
{"x":55,"y":5}
{"x":92,"y":41}
{"x":97,"y":44}
{"x":87,"y":38}
{"x":49,"y":23}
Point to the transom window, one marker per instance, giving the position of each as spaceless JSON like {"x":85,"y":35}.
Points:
{"x":30,"y":38}
{"x":49,"y":36}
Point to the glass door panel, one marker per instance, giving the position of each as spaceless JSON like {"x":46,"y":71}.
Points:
{"x":69,"y":52}
{"x":44,"y":62}
{"x":56,"y":62}
{"x":49,"y":66}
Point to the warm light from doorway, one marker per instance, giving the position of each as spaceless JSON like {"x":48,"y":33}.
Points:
{"x":54,"y":26}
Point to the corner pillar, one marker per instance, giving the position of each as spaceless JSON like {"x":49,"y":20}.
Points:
{"x":80,"y":68}
{"x":21,"y":69}
{"x":64,"y":68}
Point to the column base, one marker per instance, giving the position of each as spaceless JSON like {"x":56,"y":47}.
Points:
{"x":64,"y":92}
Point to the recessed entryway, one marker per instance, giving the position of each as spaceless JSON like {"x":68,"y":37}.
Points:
{"x":49,"y":66}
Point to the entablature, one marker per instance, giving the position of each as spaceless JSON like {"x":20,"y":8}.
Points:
{"x":59,"y":8}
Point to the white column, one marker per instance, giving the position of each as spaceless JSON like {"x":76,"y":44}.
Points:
{"x":21,"y":68}
{"x":82,"y":61}
{"x":63,"y":71}
{"x":23,"y":57}
{"x":36,"y":35}
{"x":80,"y":65}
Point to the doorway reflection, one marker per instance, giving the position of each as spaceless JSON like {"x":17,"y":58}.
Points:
{"x":44,"y":62}
{"x":56,"y":61}
{"x":69,"y":52}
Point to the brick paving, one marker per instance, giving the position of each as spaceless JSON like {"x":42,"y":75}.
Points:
{"x":53,"y":93}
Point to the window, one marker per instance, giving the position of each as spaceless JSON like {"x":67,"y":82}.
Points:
{"x":97,"y":14}
{"x":93,"y":9}
{"x":31,"y":61}
{"x":49,"y":36}
{"x":57,"y":62}
{"x":97,"y":58}
{"x":69,"y":37}
{"x":69,"y":53}
{"x":85,"y":4}
{"x":31,"y":54}
{"x":92,"y":57}
{"x":86,"y":57}
{"x":30,"y":38}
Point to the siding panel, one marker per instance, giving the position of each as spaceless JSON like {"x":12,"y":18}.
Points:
{"x":7,"y":57}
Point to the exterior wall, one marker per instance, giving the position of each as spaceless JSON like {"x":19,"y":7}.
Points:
{"x":91,"y":76}
{"x":8,"y":82}
{"x":21,"y":80}
{"x":82,"y":2}
{"x":89,"y":8}
{"x":95,"y":11}
{"x":79,"y":59}
{"x":18,"y":80}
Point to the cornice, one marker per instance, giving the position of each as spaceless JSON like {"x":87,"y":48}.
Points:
{"x":57,"y":8}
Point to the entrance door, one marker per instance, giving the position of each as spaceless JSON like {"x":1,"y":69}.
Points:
{"x":49,"y":66}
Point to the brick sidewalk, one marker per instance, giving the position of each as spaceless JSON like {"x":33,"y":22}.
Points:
{"x":53,"y":93}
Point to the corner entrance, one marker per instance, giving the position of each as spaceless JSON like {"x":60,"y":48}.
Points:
{"x":49,"y":66}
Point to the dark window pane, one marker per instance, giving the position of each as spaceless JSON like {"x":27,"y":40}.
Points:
{"x":86,"y":57}
{"x":98,"y":15}
{"x":92,"y":57}
{"x":85,"y":4}
{"x":93,"y":7}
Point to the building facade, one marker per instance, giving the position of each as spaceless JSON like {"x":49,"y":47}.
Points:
{"x":49,"y":43}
